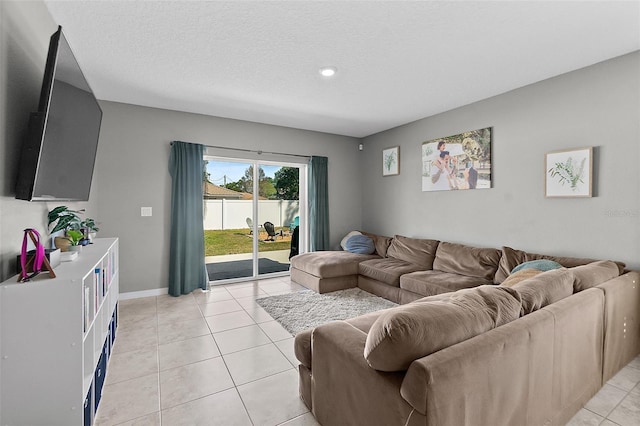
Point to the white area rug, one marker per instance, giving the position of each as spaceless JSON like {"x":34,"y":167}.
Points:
{"x":307,"y":309}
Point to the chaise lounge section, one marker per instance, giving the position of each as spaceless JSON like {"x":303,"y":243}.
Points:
{"x":324,"y":271}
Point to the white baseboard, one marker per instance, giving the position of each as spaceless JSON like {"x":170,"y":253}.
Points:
{"x":143,"y":293}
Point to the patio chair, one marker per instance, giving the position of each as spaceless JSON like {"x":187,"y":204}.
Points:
{"x":271,"y":231}
{"x":250,"y":225}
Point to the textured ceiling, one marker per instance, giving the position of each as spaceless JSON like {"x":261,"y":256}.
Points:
{"x":397,"y":61}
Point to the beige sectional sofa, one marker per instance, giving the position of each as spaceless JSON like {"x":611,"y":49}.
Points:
{"x":473,"y":353}
{"x":404,"y":269}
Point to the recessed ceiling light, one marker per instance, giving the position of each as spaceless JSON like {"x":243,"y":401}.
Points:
{"x":328,"y":71}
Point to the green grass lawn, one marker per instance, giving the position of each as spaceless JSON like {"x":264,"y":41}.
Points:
{"x":236,"y":241}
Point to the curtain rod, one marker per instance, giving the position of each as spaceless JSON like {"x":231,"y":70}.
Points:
{"x":254,"y":151}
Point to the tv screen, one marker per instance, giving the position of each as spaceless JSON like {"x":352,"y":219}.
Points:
{"x":58,"y":156}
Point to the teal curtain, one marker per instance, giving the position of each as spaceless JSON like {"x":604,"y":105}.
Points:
{"x":318,"y":204}
{"x":187,"y":269}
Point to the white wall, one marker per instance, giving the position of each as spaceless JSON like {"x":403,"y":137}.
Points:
{"x":597,"y":106}
{"x":133,"y":155}
{"x":233,"y":214}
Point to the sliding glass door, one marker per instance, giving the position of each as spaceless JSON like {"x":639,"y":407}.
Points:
{"x":279,"y":213}
{"x":254,"y":217}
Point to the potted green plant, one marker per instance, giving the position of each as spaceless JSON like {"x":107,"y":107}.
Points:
{"x":65,"y":219}
{"x":89,"y":228}
{"x":74,"y":237}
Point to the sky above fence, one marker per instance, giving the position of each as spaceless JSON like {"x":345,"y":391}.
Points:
{"x":223,"y":172}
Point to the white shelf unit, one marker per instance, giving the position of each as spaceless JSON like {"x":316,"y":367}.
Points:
{"x":52,"y":337}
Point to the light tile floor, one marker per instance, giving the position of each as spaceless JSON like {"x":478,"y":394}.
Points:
{"x":207,"y":358}
{"x":617,"y":403}
{"x":218,"y":358}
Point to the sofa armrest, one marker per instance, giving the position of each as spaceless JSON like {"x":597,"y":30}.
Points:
{"x":621,"y":322}
{"x":346,"y":391}
{"x":302,"y":347}
{"x":501,"y":377}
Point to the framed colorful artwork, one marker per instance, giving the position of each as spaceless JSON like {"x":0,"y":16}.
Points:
{"x":457,"y":162}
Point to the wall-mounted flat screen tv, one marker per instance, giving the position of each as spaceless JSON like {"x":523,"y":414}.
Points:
{"x":58,"y":156}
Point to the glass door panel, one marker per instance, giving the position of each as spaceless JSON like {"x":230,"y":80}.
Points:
{"x":278,"y":209}
{"x":229,"y":227}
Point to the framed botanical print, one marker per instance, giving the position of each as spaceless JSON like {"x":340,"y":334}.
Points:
{"x":391,"y":161}
{"x":569,"y":173}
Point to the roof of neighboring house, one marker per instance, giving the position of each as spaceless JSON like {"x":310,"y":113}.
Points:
{"x":248,"y":196}
{"x":214,"y":191}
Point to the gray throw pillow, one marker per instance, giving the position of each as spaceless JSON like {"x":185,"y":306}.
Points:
{"x":360,"y":244}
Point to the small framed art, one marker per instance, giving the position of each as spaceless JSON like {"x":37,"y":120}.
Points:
{"x":569,"y":173}
{"x":391,"y":161}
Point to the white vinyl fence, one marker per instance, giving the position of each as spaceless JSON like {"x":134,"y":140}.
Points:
{"x":233,"y":214}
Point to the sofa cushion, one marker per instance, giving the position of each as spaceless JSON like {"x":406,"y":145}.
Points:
{"x":512,"y":258}
{"x":364,"y":322}
{"x":593,"y":274}
{"x":343,"y":242}
{"x":522,"y":275}
{"x":386,"y":270}
{"x":467,"y":260}
{"x":360,"y":244}
{"x":329,"y":264}
{"x":409,"y":332}
{"x":413,"y":250}
{"x":302,"y":341}
{"x":381,"y":242}
{"x":428,"y":283}
{"x":544,"y":289}
{"x":540,"y":264}
{"x":442,"y":297}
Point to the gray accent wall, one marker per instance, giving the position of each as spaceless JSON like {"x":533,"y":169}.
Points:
{"x":133,"y":155}
{"x":25,"y":29}
{"x":596,"y":106}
